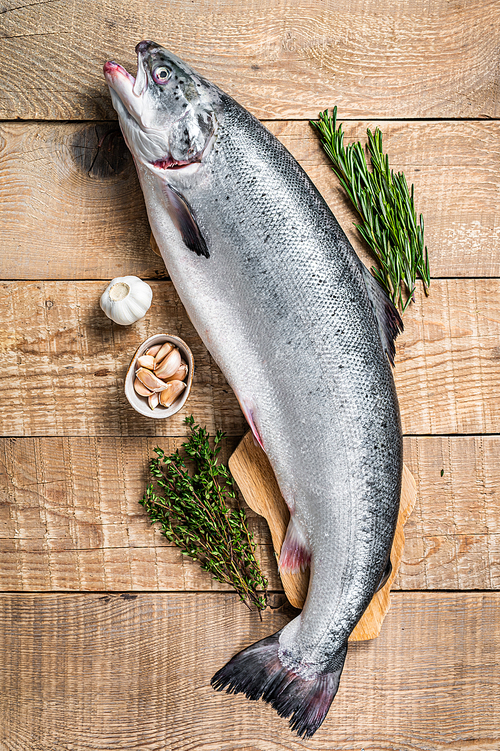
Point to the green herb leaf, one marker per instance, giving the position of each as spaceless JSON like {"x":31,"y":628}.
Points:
{"x":381,"y":198}
{"x":195,"y":513}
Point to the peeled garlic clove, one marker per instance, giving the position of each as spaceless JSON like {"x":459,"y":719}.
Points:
{"x":146,"y":361}
{"x":141,"y":388}
{"x":180,"y":374}
{"x":171,"y":392}
{"x":153,"y":350}
{"x":163,"y":352}
{"x":153,"y":400}
{"x":150,"y":380}
{"x":170,"y":365}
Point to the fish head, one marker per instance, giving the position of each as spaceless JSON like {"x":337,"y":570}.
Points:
{"x":168,"y":113}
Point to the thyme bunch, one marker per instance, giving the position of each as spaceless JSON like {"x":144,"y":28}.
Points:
{"x":195,"y":510}
{"x":386,"y":206}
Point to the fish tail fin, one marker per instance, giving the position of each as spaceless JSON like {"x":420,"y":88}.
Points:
{"x":258,"y":673}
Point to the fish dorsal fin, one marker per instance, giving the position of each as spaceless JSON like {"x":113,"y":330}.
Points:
{"x":181,"y":214}
{"x":388,"y":319}
{"x":385,"y":576}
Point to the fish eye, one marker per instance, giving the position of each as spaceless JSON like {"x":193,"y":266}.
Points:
{"x":161,"y":74}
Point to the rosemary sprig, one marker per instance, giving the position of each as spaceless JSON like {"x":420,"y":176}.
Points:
{"x":386,"y":206}
{"x":195,"y":511}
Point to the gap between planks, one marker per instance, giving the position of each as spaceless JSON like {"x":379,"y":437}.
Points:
{"x":133,"y":593}
{"x":265,"y":120}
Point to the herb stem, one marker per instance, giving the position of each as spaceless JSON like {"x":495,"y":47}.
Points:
{"x":386,"y":207}
{"x":196,"y":513}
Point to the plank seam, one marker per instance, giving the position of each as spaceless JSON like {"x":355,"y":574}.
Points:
{"x":216,"y":593}
{"x":485,"y":118}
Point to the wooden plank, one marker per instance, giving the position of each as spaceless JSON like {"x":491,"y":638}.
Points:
{"x":63,"y":362}
{"x":452,"y":539}
{"x":103,"y":672}
{"x":70,"y":518}
{"x":390,"y":60}
{"x":69,"y":361}
{"x":71,"y":206}
{"x":447,"y":359}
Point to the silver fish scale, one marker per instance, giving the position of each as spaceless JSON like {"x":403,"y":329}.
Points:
{"x":282,"y":306}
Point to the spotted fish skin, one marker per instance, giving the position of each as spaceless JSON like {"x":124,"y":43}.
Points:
{"x":304,"y":336}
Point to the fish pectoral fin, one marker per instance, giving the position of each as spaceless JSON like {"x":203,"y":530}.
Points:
{"x":181,"y":214}
{"x":295,"y":553}
{"x":388,"y":319}
{"x":385,"y":576}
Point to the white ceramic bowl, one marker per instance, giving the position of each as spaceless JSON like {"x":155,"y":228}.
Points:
{"x":139,"y":403}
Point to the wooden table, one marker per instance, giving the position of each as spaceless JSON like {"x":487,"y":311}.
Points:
{"x":109,"y":636}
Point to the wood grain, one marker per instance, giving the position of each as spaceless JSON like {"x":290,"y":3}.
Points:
{"x":391,"y":60}
{"x":256,"y":480}
{"x":71,"y":206}
{"x":105,"y":672}
{"x":70,"y":518}
{"x":63,"y":362}
{"x":453,"y":535}
{"x":454,"y":336}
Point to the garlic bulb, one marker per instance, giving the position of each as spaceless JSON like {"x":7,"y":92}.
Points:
{"x":126,"y":299}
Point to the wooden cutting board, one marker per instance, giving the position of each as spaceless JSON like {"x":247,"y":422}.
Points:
{"x":253,"y":473}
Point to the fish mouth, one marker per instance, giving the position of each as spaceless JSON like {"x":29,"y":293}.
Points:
{"x":169,"y":163}
{"x":113,"y":70}
{"x":130,"y":91}
{"x":123,"y":84}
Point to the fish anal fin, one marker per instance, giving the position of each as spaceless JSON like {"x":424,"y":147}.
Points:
{"x":181,"y":214}
{"x":388,"y":319}
{"x":295,"y":554}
